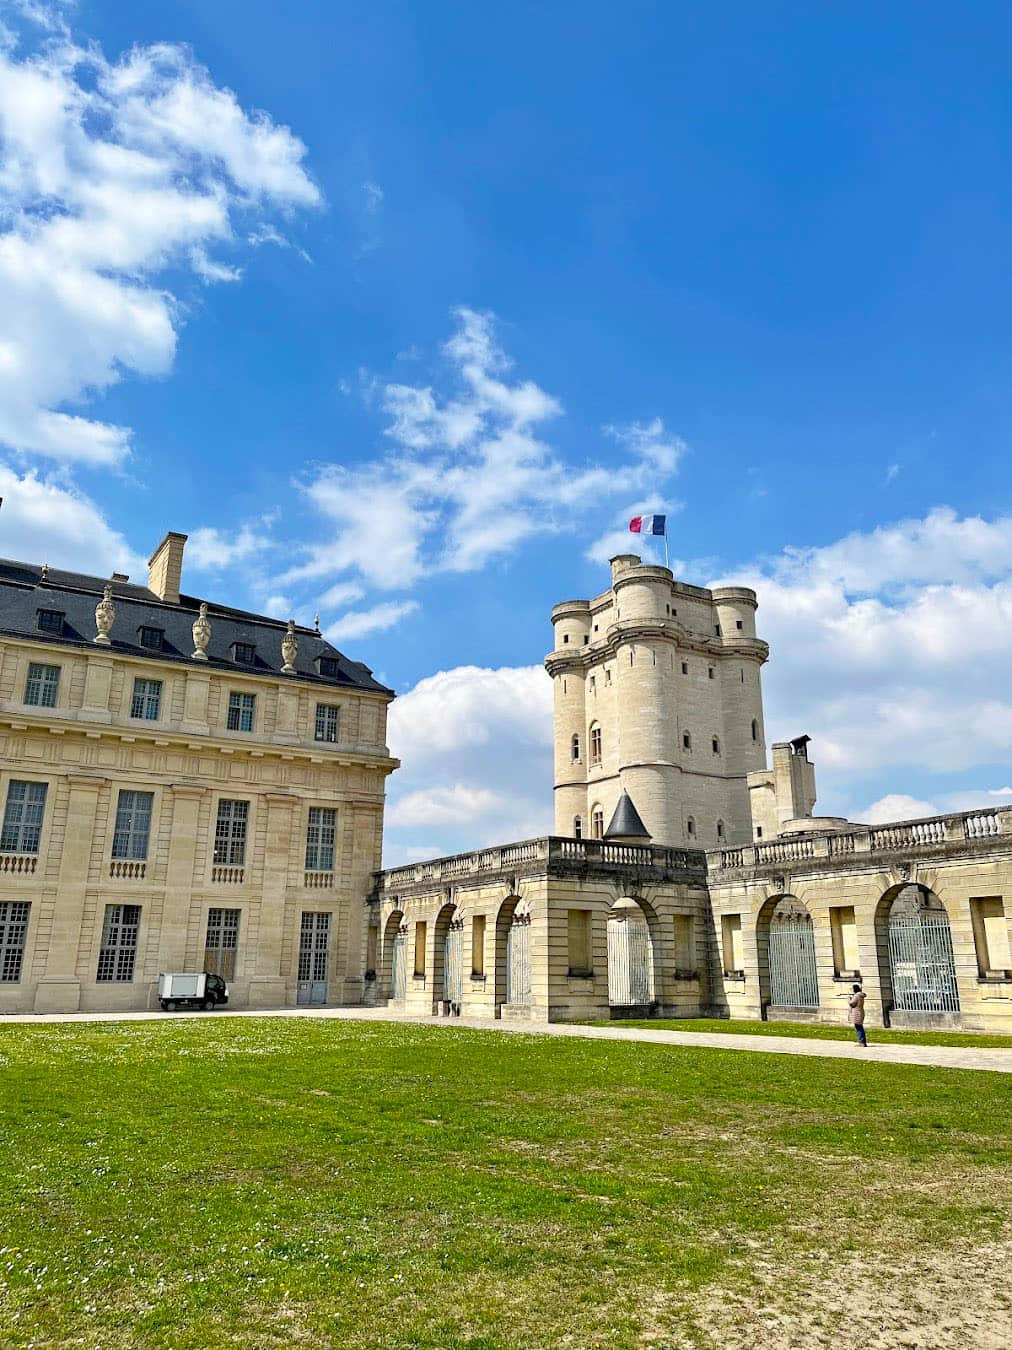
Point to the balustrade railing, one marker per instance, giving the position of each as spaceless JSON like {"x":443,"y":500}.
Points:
{"x":228,"y":876}
{"x":127,"y":869}
{"x":24,"y":863}
{"x":318,"y":881}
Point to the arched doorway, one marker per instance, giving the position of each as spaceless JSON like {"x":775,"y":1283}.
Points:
{"x":786,"y":940}
{"x":448,"y":957}
{"x":630,"y":955}
{"x":918,"y":945}
{"x":394,"y":973}
{"x":513,"y":987}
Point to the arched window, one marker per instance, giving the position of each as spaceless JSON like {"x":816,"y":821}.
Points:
{"x":595,"y":744}
{"x":576,"y":745}
{"x":597,"y":823}
{"x":690,"y":828}
{"x":720,"y":829}
{"x":577,"y":827}
{"x":755,"y":729}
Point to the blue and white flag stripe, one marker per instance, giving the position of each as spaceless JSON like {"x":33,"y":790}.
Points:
{"x":649,"y":525}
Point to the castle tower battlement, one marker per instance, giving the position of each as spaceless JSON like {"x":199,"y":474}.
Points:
{"x":658,"y":694}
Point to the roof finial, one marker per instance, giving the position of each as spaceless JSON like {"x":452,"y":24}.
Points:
{"x":316,"y":623}
{"x":289,"y":649}
{"x":45,"y":572}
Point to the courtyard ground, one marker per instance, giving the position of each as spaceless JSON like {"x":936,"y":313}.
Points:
{"x":263,"y":1182}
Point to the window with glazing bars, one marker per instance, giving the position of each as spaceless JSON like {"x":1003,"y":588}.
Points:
{"x":147,"y":700}
{"x":133,"y":825}
{"x":13,"y":931}
{"x":119,"y":944}
{"x":329,"y":667}
{"x":240,"y":711}
{"x":328,"y":718}
{"x":222,"y":942}
{"x":244,"y":653}
{"x":595,"y":745}
{"x":26,"y":805}
{"x":320,"y":839}
{"x":41,"y":686}
{"x":51,"y":620}
{"x":152,"y":637}
{"x":230,"y":833}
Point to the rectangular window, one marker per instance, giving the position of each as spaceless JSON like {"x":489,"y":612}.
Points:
{"x":41,"y":686}
{"x":597,"y":824}
{"x":685,"y":667}
{"x":147,"y":700}
{"x":119,"y":944}
{"x":843,"y":928}
{"x":478,"y":947}
{"x":13,"y":932}
{"x":685,"y":943}
{"x":329,"y":667}
{"x":710,"y":672}
{"x":222,"y":942}
{"x":230,"y":833}
{"x":243,"y":653}
{"x":320,"y":839}
{"x":51,"y":621}
{"x":240,"y":711}
{"x":595,"y":745}
{"x":420,"y":931}
{"x":593,"y":684}
{"x":328,"y":721}
{"x":607,"y":675}
{"x":733,"y":951}
{"x":152,"y":638}
{"x":133,"y":825}
{"x":578,"y":937}
{"x":22,"y":828}
{"x":990,"y":936}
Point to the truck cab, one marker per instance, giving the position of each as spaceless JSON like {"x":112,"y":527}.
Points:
{"x":191,"y":990}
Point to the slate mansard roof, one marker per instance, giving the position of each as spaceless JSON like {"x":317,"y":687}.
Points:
{"x":24,"y":591}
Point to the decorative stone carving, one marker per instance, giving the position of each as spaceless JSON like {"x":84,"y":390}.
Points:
{"x":105,"y":614}
{"x":201,"y":634}
{"x":289,"y":649}
{"x":316,"y":624}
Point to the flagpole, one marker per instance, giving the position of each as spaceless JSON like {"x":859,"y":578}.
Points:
{"x":666,"y":545}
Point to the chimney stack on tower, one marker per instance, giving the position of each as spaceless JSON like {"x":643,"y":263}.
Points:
{"x":165,"y":567}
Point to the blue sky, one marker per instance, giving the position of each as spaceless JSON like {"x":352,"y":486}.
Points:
{"x":400,"y":310}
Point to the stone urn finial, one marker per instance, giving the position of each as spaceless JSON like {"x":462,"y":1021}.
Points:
{"x":201,"y":634}
{"x":105,"y":614}
{"x":316,"y":623}
{"x":289,"y":649}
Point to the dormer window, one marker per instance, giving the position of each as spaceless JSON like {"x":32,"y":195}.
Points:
{"x":51,"y":621}
{"x":329,"y":667}
{"x":243,"y":653}
{"x":152,"y":638}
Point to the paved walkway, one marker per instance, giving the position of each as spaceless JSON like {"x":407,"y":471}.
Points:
{"x":936,"y":1056}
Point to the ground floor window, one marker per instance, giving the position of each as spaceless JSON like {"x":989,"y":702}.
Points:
{"x":222,"y":942}
{"x":13,"y":931}
{"x":119,"y":943}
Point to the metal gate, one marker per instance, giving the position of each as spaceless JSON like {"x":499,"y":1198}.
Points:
{"x":314,"y":953}
{"x":518,"y":961}
{"x":399,"y":965}
{"x":921,"y":963}
{"x":453,"y":963}
{"x":794,"y":979}
{"x":630,"y":960}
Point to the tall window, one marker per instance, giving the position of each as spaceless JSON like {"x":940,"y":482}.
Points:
{"x":147,"y":700}
{"x":41,"y":686}
{"x":716,"y":745}
{"x":755,"y":729}
{"x":230,"y":833}
{"x":421,"y":930}
{"x":119,"y":944}
{"x":133,"y":825}
{"x":13,"y":931}
{"x":22,"y":828}
{"x":732,"y":948}
{"x":240,"y":711}
{"x":595,"y":745}
{"x":720,"y":829}
{"x":578,"y":941}
{"x":686,"y":740}
{"x":320,"y":839}
{"x":328,"y":721}
{"x":577,"y":827}
{"x":478,"y":947}
{"x":574,"y":747}
{"x":597,"y":823}
{"x":222,"y":942}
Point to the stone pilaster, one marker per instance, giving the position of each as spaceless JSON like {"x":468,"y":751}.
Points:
{"x":179,"y":877}
{"x":267,"y":987}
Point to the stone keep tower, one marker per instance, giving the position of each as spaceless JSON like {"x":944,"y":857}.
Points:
{"x":658,"y":694}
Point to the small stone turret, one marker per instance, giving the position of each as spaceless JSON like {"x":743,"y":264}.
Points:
{"x":625,"y":826}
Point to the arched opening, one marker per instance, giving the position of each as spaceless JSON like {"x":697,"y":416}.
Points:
{"x":785,"y":935}
{"x":448,"y":960}
{"x":574,"y":746}
{"x":916,"y":963}
{"x":595,"y":743}
{"x":631,"y":980}
{"x":720,"y":831}
{"x":394,"y":968}
{"x":597,"y":821}
{"x":577,"y":827}
{"x":512,"y":955}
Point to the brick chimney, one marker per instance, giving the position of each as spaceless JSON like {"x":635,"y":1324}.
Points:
{"x":165,"y":567}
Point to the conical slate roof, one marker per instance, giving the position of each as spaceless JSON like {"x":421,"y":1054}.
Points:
{"x":626,"y":823}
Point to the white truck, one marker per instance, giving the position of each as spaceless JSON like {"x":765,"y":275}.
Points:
{"x":190,"y":990}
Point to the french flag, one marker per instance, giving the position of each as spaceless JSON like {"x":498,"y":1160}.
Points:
{"x":649,"y":525}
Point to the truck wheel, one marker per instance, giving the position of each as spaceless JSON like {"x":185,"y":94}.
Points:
{"x":208,"y":1005}
{"x":169,"y":1005}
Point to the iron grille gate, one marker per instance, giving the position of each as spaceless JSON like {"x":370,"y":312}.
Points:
{"x":399,"y":965}
{"x":630,"y":974}
{"x":314,"y":952}
{"x":453,"y":964}
{"x":518,"y":961}
{"x":921,"y":964}
{"x":794,"y":980}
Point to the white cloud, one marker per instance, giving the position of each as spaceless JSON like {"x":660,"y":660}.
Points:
{"x":209,"y":548}
{"x":456,"y":805}
{"x":42,"y":521}
{"x":361,"y":622}
{"x":111,"y":174}
{"x":896,"y":806}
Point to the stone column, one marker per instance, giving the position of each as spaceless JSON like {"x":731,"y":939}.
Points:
{"x":179,"y":878}
{"x":267,"y":987}
{"x":60,"y":988}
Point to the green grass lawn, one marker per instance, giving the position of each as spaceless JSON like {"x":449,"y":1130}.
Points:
{"x":270,"y":1182}
{"x":815,"y":1031}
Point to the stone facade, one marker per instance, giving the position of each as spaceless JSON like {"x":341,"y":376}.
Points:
{"x":118,"y":858}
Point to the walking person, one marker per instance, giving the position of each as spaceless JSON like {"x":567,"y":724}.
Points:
{"x":856,"y":1014}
